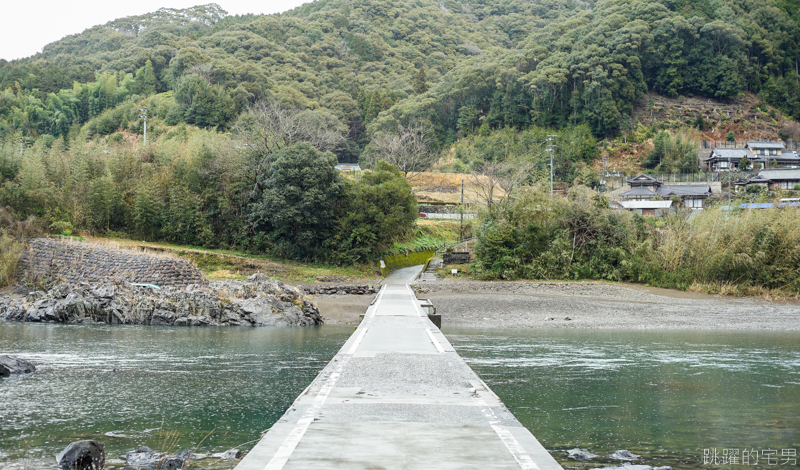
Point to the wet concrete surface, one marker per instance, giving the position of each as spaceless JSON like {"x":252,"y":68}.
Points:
{"x":397,"y":396}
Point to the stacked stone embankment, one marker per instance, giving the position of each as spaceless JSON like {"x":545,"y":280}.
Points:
{"x":255,"y":302}
{"x":342,"y":290}
{"x":73,"y":262}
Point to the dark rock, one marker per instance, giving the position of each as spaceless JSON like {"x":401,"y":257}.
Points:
{"x":624,"y":455}
{"x":83,"y":455}
{"x":14,"y":365}
{"x":171,"y":463}
{"x":580,"y":454}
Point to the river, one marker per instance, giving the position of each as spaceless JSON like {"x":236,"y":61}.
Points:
{"x":665,"y":395}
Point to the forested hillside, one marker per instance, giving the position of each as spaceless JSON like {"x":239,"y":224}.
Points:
{"x":457,"y":64}
{"x":482,"y":82}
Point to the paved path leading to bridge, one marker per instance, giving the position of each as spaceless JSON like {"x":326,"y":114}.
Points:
{"x":397,"y":396}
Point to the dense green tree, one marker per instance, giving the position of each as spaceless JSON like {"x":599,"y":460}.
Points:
{"x":379,"y":209}
{"x":296,"y":209}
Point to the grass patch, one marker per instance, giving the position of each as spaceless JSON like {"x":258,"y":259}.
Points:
{"x":442,"y":229}
{"x":10,"y":252}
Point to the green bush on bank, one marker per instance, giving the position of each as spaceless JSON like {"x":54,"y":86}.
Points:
{"x":580,"y":237}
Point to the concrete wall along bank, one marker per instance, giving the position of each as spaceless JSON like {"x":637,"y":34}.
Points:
{"x":73,"y":262}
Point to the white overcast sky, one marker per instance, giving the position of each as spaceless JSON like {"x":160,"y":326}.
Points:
{"x":26,"y":26}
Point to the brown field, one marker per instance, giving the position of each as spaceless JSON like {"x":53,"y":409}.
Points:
{"x":446,"y":187}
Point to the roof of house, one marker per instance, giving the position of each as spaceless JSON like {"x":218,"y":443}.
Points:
{"x":733,"y":154}
{"x":758,"y":179}
{"x":779,"y":174}
{"x":643,"y":179}
{"x":760,"y":144}
{"x":348,"y":167}
{"x":638,"y":191}
{"x":646,"y":204}
{"x":685,"y":190}
{"x":788,"y":156}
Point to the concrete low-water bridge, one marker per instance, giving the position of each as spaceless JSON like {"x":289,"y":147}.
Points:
{"x":398,"y":396}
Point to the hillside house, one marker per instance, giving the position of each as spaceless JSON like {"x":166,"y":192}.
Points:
{"x":348,"y":167}
{"x":773,"y":180}
{"x":647,"y":188}
{"x":651,"y":208}
{"x":766,"y":154}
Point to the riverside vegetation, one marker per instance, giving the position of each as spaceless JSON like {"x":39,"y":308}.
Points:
{"x":247,"y":116}
{"x":538,"y":236}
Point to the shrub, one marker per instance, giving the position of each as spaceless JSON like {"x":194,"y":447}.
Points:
{"x":581,"y":238}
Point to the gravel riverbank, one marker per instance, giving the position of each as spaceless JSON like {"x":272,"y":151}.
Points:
{"x":596,"y":305}
{"x":588,"y":305}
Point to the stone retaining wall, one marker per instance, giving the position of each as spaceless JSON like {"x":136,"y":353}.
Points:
{"x":341,"y":290}
{"x":73,"y":262}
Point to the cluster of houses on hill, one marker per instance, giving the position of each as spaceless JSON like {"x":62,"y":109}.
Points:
{"x":761,"y":155}
{"x":778,"y":169}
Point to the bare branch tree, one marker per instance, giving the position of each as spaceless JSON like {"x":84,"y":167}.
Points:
{"x":496,"y":182}
{"x":267,"y":127}
{"x":409,"y":149}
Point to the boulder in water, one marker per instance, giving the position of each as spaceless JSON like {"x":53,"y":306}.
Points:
{"x":14,"y":365}
{"x":83,"y":455}
{"x":145,"y":457}
{"x":580,"y":454}
{"x":229,"y":454}
{"x":624,"y":455}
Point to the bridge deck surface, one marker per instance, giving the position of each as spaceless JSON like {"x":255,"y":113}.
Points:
{"x":397,"y":396}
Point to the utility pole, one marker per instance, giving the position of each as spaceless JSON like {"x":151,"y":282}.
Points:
{"x":550,"y":149}
{"x":729,"y":182}
{"x":604,"y":173}
{"x":143,"y":115}
{"x":461,"y":230}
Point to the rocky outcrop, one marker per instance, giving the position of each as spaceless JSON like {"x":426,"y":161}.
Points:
{"x":14,"y":365}
{"x":230,"y":303}
{"x":72,"y":262}
{"x":82,"y":455}
{"x":341,"y":290}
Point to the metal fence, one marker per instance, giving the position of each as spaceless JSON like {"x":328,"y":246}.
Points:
{"x":613,"y":182}
{"x":433,"y":215}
